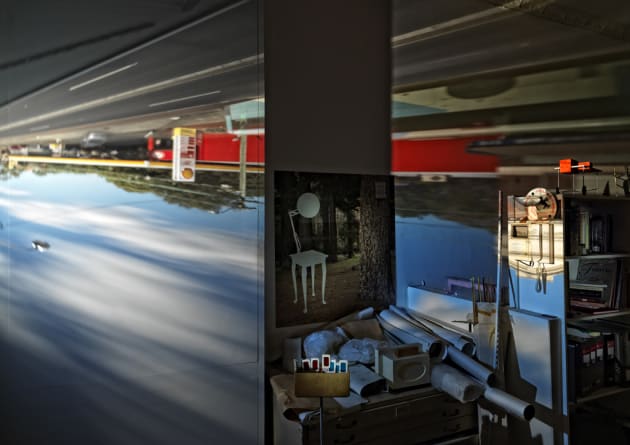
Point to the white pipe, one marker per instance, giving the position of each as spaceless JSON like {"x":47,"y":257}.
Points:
{"x":512,"y":405}
{"x":470,"y":365}
{"x":455,"y":384}
{"x":466,"y":389}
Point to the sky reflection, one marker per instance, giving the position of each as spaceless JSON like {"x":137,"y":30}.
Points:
{"x":429,"y":250}
{"x":132,"y":289}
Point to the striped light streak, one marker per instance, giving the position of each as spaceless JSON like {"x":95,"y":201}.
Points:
{"x":104,"y":76}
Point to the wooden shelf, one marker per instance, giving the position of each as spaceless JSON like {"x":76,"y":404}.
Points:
{"x":599,"y":256}
{"x":598,"y":316}
{"x":602,"y":393}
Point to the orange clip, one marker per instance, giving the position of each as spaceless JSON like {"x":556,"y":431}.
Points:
{"x":566,"y":166}
{"x":570,"y":166}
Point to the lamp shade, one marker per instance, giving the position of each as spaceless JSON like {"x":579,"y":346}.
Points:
{"x":308,"y":205}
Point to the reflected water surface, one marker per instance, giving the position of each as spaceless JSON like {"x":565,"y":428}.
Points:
{"x":143,"y":278}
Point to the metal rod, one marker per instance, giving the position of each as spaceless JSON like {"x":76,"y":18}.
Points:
{"x":540,"y":243}
{"x":498,"y":366}
{"x":321,"y":421}
{"x":552,"y":241}
{"x":242,"y":179}
{"x":298,"y":246}
{"x":475,"y":297}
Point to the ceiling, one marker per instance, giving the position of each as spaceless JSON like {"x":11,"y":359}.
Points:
{"x":129,"y":66}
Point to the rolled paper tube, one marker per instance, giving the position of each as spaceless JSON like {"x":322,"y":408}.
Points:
{"x":431,"y":343}
{"x":455,"y":383}
{"x":456,"y":339}
{"x":399,"y":334}
{"x":470,"y":365}
{"x":363,"y":314}
{"x":366,"y":313}
{"x":512,"y":405}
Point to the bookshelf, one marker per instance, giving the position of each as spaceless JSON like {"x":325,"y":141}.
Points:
{"x":569,"y":271}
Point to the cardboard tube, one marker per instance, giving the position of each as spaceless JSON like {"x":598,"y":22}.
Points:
{"x":456,"y":339}
{"x":461,"y":343}
{"x":512,"y":405}
{"x":363,"y":314}
{"x":470,"y":365}
{"x":455,"y":384}
{"x":436,"y":350}
{"x":435,"y":346}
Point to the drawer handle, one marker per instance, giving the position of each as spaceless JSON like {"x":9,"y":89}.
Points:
{"x":341,"y":426}
{"x":348,"y":440}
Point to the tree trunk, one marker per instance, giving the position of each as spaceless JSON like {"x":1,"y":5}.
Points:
{"x":349,"y":233}
{"x":376,"y":241}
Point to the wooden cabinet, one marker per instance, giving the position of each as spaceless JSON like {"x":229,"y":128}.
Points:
{"x":410,"y":417}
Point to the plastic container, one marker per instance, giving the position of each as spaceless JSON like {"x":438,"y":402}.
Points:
{"x":484,"y":333}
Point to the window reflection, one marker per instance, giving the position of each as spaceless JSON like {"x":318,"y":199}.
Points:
{"x":133,"y":258}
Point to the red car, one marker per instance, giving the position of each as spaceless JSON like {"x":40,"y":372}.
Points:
{"x":221,"y":148}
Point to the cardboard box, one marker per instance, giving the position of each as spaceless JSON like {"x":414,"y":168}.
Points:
{"x":322,"y":384}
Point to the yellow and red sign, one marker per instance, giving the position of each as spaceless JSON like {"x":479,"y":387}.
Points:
{"x":184,"y":154}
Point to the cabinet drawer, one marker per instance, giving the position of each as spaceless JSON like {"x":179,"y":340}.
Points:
{"x":408,"y":433}
{"x":422,"y":410}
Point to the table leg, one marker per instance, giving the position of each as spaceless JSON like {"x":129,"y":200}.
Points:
{"x":304,"y":286}
{"x":294,"y":282}
{"x":324,"y":282}
{"x":313,"y":267}
{"x":321,"y":421}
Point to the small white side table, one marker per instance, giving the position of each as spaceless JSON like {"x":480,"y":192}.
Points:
{"x":309,"y":258}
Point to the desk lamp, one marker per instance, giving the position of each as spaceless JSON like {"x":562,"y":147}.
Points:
{"x":308,"y":207}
